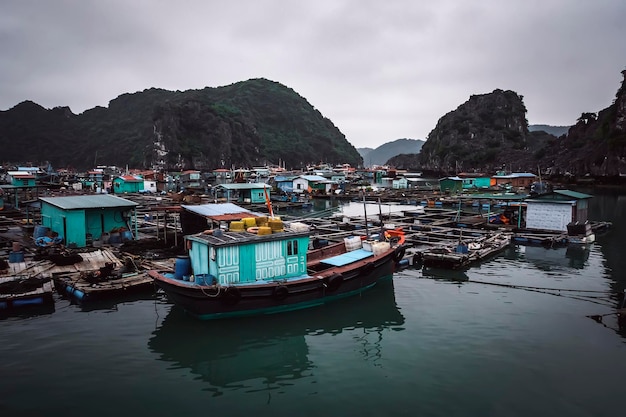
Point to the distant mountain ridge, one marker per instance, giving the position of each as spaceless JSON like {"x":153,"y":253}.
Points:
{"x":386,"y":151}
{"x":553,"y":130}
{"x":248,"y":123}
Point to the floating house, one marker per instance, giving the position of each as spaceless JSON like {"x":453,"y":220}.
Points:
{"x":312,"y":184}
{"x":451,"y":184}
{"x":22,"y":178}
{"x":222,"y":175}
{"x":246,"y":193}
{"x":190,"y":179}
{"x":554,"y":211}
{"x":284,"y":183}
{"x":400,"y":183}
{"x":80,"y":218}
{"x":127,"y":184}
{"x":516,"y":179}
{"x":476,"y":181}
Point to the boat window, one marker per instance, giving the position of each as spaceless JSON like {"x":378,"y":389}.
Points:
{"x":292,"y":247}
{"x":212,"y":253}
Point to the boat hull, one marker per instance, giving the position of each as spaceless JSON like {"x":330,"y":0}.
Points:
{"x":214,"y":302}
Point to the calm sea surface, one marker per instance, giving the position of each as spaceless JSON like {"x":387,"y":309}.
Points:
{"x":508,"y":337}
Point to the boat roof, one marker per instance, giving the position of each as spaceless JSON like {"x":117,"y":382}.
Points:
{"x":238,"y":238}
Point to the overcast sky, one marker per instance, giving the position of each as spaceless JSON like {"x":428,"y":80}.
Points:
{"x":380,"y":70}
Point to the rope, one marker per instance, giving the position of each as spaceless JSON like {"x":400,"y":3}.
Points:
{"x":544,"y":290}
{"x":219,"y":289}
{"x":522,"y":287}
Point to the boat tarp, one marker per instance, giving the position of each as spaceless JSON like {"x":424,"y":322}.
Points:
{"x":348,"y":257}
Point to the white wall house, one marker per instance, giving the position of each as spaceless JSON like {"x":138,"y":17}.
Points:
{"x":548,"y":215}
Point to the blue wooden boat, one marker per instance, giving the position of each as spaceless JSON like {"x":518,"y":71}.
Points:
{"x":271,"y":269}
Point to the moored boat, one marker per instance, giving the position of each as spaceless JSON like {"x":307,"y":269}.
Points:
{"x":103,"y":276}
{"x":271,"y":269}
{"x":19,"y":292}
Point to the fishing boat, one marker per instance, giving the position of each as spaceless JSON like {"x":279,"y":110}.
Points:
{"x":271,"y":356}
{"x":261,"y":266}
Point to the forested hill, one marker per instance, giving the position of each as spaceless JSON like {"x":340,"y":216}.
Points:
{"x":244,"y":124}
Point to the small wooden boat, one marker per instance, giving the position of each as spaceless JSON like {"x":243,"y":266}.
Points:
{"x":271,"y":269}
{"x":19,"y":292}
{"x":107,"y":276}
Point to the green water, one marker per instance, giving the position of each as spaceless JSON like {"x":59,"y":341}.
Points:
{"x":432,"y":343}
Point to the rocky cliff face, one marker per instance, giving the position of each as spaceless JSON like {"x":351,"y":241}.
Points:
{"x":484,"y":133}
{"x":595,"y":145}
{"x":490,"y":132}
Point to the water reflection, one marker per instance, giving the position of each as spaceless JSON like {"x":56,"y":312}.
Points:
{"x":270,"y":349}
{"x":548,"y":259}
{"x":111,"y":304}
{"x":456,"y":275}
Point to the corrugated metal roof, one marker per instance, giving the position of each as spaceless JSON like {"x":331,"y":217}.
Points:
{"x":219,"y":210}
{"x":516,"y":175}
{"x":131,"y":178}
{"x":244,"y":186}
{"x":573,"y":194}
{"x":88,"y":201}
{"x":313,"y":178}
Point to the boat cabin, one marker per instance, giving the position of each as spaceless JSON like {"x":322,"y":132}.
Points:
{"x":229,"y":257}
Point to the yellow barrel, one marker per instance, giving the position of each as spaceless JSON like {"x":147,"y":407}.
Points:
{"x":261,"y":221}
{"x":249,"y":222}
{"x":276,"y":225}
{"x":264,"y":230}
{"x":236,"y":226}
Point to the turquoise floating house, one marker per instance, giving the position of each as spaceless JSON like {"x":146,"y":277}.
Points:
{"x":77,"y":218}
{"x":22,"y":179}
{"x":127,"y":184}
{"x":245,"y":193}
{"x":473,"y":181}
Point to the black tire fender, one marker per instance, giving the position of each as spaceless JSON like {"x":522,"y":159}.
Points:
{"x":334,"y":282}
{"x":398,"y":254}
{"x":231,"y":296}
{"x":281,"y":292}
